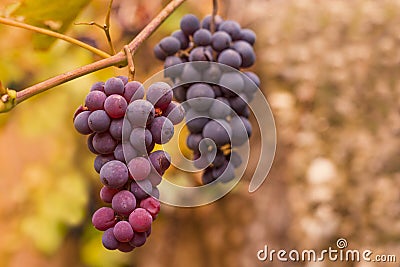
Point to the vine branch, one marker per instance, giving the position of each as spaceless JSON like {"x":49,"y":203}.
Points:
{"x":119,"y":59}
{"x":57,"y":35}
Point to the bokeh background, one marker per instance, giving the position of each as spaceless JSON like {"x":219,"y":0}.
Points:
{"x":330,"y":71}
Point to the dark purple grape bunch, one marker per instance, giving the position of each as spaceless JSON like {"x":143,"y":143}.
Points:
{"x":123,"y":129}
{"x":215,"y":109}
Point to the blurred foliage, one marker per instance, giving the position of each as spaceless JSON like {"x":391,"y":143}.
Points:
{"x":329,"y":70}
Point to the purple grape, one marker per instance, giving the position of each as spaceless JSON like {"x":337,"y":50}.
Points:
{"x":108,"y":239}
{"x":232,"y":81}
{"x":171,"y":67}
{"x":231,"y":27}
{"x":98,"y":86}
{"x":220,"y":41}
{"x":119,"y":153}
{"x":140,"y":188}
{"x":189,"y":24}
{"x":155,"y":193}
{"x":100,"y":160}
{"x":103,"y":143}
{"x":152,"y":205}
{"x":219,"y":131}
{"x":160,"y":161}
{"x":99,"y":121}
{"x":107,"y":193}
{"x":140,"y":113}
{"x":179,"y":93}
{"x":231,"y":58}
{"x":129,"y":152}
{"x":239,"y":134}
{"x":202,"y":37}
{"x":114,"y":174}
{"x":103,"y":218}
{"x":246,"y":52}
{"x":193,"y":141}
{"x":159,"y":53}
{"x":247,"y":35}
{"x":141,"y":139}
{"x":115,"y":106}
{"x":125,"y":247}
{"x":123,"y":202}
{"x":139,"y":168}
{"x":81,"y":123}
{"x":174,"y":112}
{"x":183,"y":39}
{"x":124,"y":79}
{"x":138,"y":239}
{"x":238,"y":103}
{"x":140,"y":220}
{"x":195,"y":121}
{"x":115,"y":130}
{"x":133,"y":90}
{"x":225,"y":173}
{"x":200,"y":53}
{"x":159,"y":94}
{"x":123,"y":231}
{"x":220,"y":108}
{"x":170,"y":45}
{"x":234,"y":158}
{"x":114,"y":86}
{"x":90,"y":144}
{"x":162,"y":130}
{"x":95,"y":100}
{"x":206,"y":22}
{"x":154,"y":178}
{"x":201,"y":96}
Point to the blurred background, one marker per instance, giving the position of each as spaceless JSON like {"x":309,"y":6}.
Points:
{"x":329,"y":70}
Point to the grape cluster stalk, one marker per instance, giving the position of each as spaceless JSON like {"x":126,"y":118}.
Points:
{"x":216,"y":110}
{"x":123,"y":127}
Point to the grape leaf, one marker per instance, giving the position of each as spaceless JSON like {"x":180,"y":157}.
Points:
{"x":53,"y":15}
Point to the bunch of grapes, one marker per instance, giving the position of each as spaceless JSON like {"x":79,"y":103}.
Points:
{"x":217,"y":106}
{"x":123,"y":129}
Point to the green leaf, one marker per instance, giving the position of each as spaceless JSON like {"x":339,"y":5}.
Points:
{"x":49,"y":14}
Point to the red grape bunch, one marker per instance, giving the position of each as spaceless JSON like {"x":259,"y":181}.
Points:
{"x":123,"y":127}
{"x":215,"y":96}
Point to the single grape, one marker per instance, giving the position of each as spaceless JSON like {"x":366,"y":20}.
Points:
{"x":123,"y":202}
{"x":189,"y":24}
{"x":140,"y":220}
{"x":114,"y":174}
{"x":141,"y":139}
{"x":98,"y":86}
{"x":108,"y":239}
{"x":159,"y":94}
{"x":190,"y":74}
{"x":220,"y":108}
{"x":152,"y":205}
{"x":115,"y":106}
{"x":202,"y":37}
{"x":124,"y":79}
{"x":99,"y":121}
{"x":129,"y":152}
{"x":154,"y":178}
{"x":100,"y":160}
{"x":206,"y":22}
{"x":116,"y":127}
{"x":219,"y":159}
{"x":200,"y":53}
{"x":159,"y":53}
{"x":193,"y":141}
{"x":179,"y":93}
{"x":220,"y":41}
{"x":133,"y":90}
{"x":246,"y":52}
{"x":195,"y":120}
{"x":141,"y":188}
{"x":183,"y":39}
{"x":247,"y":35}
{"x":138,"y":239}
{"x":251,"y":83}
{"x":119,"y":153}
{"x":231,"y":27}
{"x":225,"y":173}
{"x":160,"y":161}
{"x":114,"y":86}
{"x":103,"y":218}
{"x":219,"y":131}
{"x":81,"y":123}
{"x":171,"y":67}
{"x":162,"y":130}
{"x":239,"y":102}
{"x":231,"y":58}
{"x":139,"y":168}
{"x":90,"y":144}
{"x":125,"y":247}
{"x":140,"y":113}
{"x":174,"y":112}
{"x":103,"y":143}
{"x":212,"y":73}
{"x":95,"y":100}
{"x":207,"y":176}
{"x":170,"y":45}
{"x":241,"y":130}
{"x":155,"y":193}
{"x":234,"y":158}
{"x":107,"y":193}
{"x":201,"y":96}
{"x":123,"y":231}
{"x":232,"y":81}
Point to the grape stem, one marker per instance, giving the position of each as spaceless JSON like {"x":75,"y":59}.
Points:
{"x":119,"y":59}
{"x":57,"y":35}
{"x":131,"y":65}
{"x":214,"y":14}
